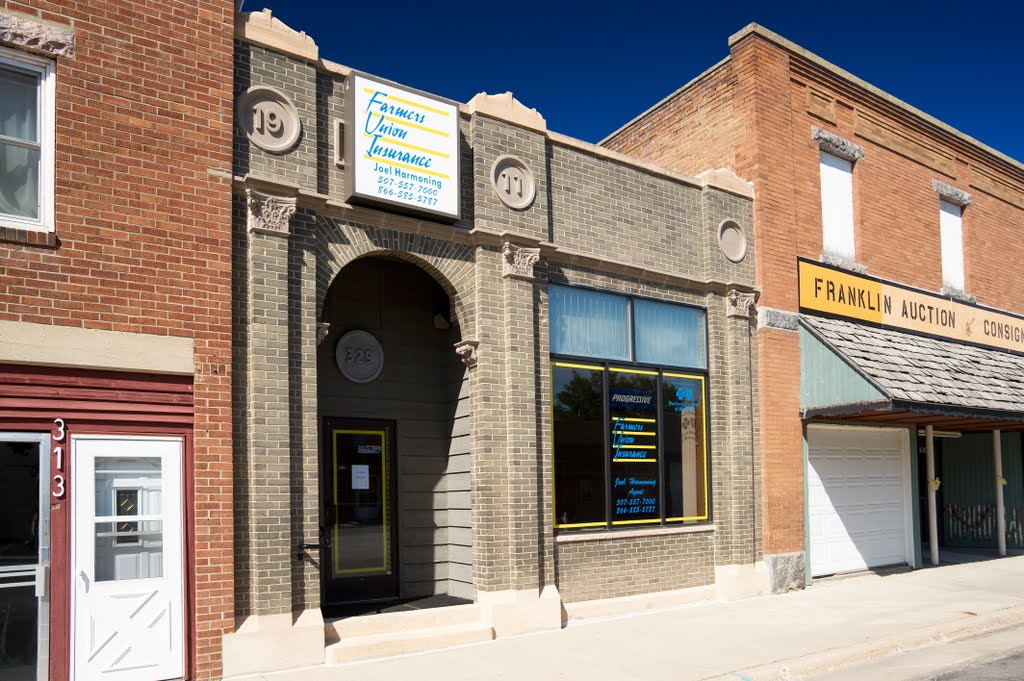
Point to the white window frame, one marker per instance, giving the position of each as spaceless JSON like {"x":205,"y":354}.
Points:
{"x":837,"y":224}
{"x":46,"y":68}
{"x":951,"y":235}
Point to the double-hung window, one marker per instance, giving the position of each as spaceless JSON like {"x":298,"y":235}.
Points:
{"x":837,"y":207}
{"x":26,"y":141}
{"x":629,"y":389}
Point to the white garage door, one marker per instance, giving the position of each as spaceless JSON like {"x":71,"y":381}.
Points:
{"x":856,"y":499}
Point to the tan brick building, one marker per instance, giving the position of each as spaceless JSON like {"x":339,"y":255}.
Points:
{"x":485,"y":374}
{"x":115,"y":338}
{"x":877,"y":196}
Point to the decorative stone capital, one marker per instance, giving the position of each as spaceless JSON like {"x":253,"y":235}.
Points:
{"x":36,"y":36}
{"x":269,"y":213}
{"x":739,"y":304}
{"x":518,"y":261}
{"x":947,"y":192}
{"x":466,"y":350}
{"x":832,"y":143}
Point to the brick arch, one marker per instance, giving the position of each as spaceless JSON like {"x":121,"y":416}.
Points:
{"x":340,"y":243}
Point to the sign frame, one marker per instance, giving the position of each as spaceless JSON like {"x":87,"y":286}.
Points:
{"x":353,"y":127}
{"x":946,"y":308}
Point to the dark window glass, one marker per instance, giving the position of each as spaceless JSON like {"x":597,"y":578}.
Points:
{"x":684,"y":447}
{"x":578,"y":407}
{"x":633,"y":408}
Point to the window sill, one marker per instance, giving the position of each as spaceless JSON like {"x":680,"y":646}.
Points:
{"x":615,"y":534}
{"x":28,"y":237}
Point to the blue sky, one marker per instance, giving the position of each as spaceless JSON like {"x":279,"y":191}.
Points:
{"x":589,"y":70}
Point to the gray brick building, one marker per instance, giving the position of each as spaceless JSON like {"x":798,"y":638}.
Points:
{"x":509,"y":383}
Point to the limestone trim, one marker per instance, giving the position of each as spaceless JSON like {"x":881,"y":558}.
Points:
{"x":518,"y":261}
{"x":467,"y":352}
{"x":660,"y":531}
{"x":269,"y":213}
{"x":947,"y":192}
{"x":766,"y":34}
{"x":507,"y":108}
{"x":772,"y":318}
{"x":831,"y":143}
{"x":35,"y":35}
{"x":67,"y":346}
{"x":739,"y":304}
{"x":263,"y":29}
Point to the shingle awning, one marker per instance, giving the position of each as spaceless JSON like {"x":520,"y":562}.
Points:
{"x":906,"y":378}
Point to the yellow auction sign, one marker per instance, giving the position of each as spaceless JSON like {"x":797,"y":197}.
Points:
{"x":840,"y":293}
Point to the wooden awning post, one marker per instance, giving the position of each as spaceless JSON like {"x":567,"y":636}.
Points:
{"x":933,"y":521}
{"x":997,"y":455}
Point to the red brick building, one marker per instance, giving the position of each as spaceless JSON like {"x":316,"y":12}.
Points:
{"x":859,"y":183}
{"x":115,"y":338}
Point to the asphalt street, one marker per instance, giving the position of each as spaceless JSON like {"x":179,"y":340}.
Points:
{"x":1006,"y":669}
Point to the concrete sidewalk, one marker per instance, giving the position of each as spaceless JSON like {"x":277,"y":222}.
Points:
{"x":787,"y":637}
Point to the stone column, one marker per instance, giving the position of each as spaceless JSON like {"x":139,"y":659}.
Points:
{"x":272,"y":637}
{"x":508,"y":486}
{"x":738,"y":574}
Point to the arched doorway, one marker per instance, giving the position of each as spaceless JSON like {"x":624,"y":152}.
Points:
{"x":394,"y":441}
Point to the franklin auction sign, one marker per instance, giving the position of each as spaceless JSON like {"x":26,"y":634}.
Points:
{"x":840,"y":293}
{"x":402,"y":148}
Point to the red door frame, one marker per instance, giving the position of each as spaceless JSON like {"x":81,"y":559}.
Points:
{"x":23,"y":413}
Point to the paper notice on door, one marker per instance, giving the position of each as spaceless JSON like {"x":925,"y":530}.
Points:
{"x":360,"y":477}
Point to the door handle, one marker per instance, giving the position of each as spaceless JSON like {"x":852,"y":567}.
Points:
{"x":85,"y":579}
{"x":301,"y":549}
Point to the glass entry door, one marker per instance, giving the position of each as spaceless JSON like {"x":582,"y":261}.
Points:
{"x":359,"y":513}
{"x":24,"y":556}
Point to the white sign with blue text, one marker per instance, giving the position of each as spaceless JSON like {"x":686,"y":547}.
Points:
{"x":404,"y":148}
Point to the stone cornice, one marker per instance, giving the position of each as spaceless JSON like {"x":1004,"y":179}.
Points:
{"x":482,"y":235}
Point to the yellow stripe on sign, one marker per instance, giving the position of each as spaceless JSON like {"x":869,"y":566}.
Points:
{"x":370,"y":91}
{"x":633,"y":371}
{"x":634,"y":420}
{"x":406,"y":166}
{"x":410,"y":146}
{"x":424,"y":128}
{"x":637,"y":446}
{"x":419,"y":106}
{"x":634,"y":461}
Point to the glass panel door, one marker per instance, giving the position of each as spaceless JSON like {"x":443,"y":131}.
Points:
{"x":24,"y":556}
{"x":359,"y":514}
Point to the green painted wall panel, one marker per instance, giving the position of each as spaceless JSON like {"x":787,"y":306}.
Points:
{"x":826,"y":379}
{"x":968,"y":489}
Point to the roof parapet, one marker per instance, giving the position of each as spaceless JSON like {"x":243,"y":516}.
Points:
{"x":508,"y":108}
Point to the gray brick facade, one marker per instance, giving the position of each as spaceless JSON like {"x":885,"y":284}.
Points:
{"x":598,"y":220}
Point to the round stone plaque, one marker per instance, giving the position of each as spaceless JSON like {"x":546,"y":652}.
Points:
{"x":359,"y":356}
{"x":268,"y":118}
{"x":513,"y":182}
{"x":732,"y":240}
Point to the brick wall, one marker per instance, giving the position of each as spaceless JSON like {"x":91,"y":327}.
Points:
{"x":754,"y":114}
{"x":143,"y":113}
{"x":611,"y":567}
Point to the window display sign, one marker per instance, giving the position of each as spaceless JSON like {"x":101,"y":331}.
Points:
{"x":632,"y":405}
{"x":402,"y":148}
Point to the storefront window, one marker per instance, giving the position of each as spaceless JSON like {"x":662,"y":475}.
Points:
{"x":630,"y":439}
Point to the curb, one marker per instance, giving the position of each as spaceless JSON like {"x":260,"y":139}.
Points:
{"x":794,"y":669}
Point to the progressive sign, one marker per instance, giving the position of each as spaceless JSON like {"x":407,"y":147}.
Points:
{"x":840,"y":293}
